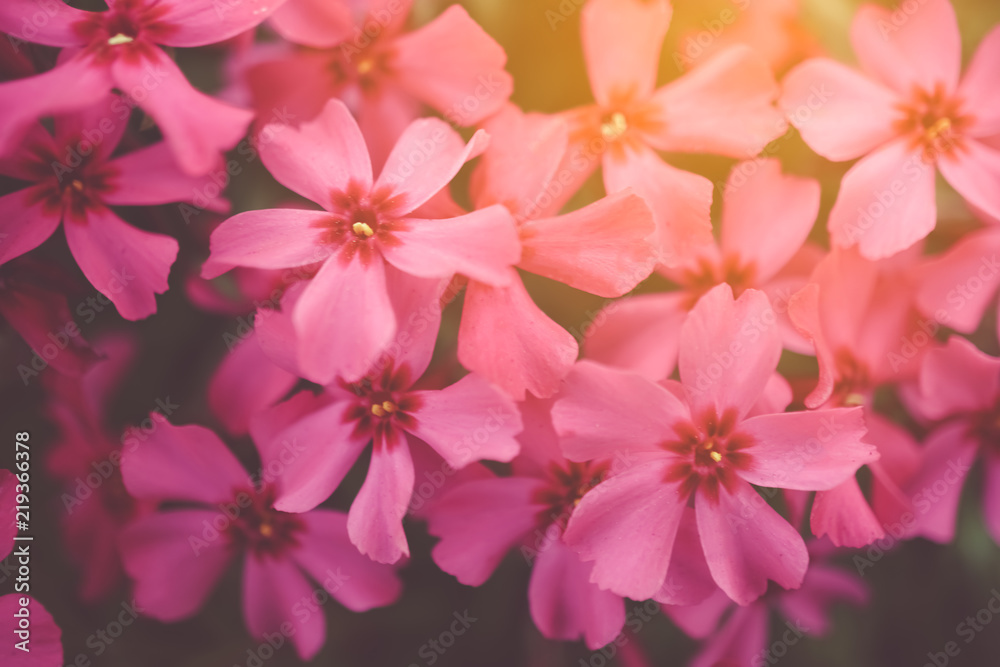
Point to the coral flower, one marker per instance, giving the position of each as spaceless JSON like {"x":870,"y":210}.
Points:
{"x":697,"y":442}
{"x":120,"y":48}
{"x":368,"y":235}
{"x":177,"y":555}
{"x":907,"y":116}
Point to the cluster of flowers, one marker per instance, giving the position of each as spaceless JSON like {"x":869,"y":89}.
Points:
{"x":665,"y":465}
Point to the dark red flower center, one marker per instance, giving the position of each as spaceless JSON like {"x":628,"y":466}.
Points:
{"x":616,"y":127}
{"x":361,"y":223}
{"x":130,"y":30}
{"x":367,"y":66}
{"x":568,"y":482}
{"x":260,"y":528}
{"x":72,"y":186}
{"x":935,"y":122}
{"x":853,"y":379}
{"x":710,"y":450}
{"x":384,"y":402}
{"x":707,"y":274}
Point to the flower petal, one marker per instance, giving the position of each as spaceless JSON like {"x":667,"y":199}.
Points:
{"x":980,"y":86}
{"x":273,"y":591}
{"x":958,"y":379}
{"x":844,"y":515}
{"x":975,"y":173}
{"x":375,"y":522}
{"x":54,"y":26}
{"x":203,"y":22}
{"x":151,"y":176}
{"x":25,"y":224}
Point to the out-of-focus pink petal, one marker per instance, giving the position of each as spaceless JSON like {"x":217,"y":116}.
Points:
{"x":96,"y":130}
{"x":957,"y":286}
{"x":565,"y":605}
{"x":479,"y":522}
{"x":25,"y":224}
{"x":151,"y":175}
{"x":959,"y":379}
{"x":923,"y":50}
{"x":344,"y":320}
{"x":375,"y":522}
{"x":173,"y":562}
{"x":507,"y":338}
{"x":46,"y":637}
{"x":937,"y":487}
{"x":810,"y":606}
{"x":725,"y":106}
{"x":991,"y":494}
{"x":273,"y":591}
{"x":203,"y":22}
{"x":197,"y":127}
{"x":806,"y":450}
{"x":689,"y":581}
{"x":182,"y":463}
{"x":128,"y":265}
{"x":621,"y":44}
{"x":482,"y":245}
{"x":454,"y":66}
{"x":886,"y":202}
{"x":747,"y":543}
{"x":452,"y":420}
{"x":756,"y":205}
{"x":602,"y":411}
{"x":245,"y":383}
{"x":776,"y":398}
{"x":739,"y":642}
{"x":300,"y":158}
{"x":975,"y":173}
{"x":49,"y":23}
{"x":700,"y":620}
{"x":980,"y":87}
{"x":840,"y":113}
{"x":604,"y":248}
{"x":70,"y":86}
{"x":356,"y":581}
{"x":627,"y":525}
{"x":638,"y":334}
{"x":680,"y":201}
{"x":269,"y":239}
{"x":728,"y":349}
{"x":320,"y":24}
{"x":844,"y":515}
{"x":383,"y":115}
{"x":424,"y":161}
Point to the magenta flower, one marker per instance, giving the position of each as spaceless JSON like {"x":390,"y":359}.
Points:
{"x":907,"y":116}
{"x":479,"y":521}
{"x":176,"y":556}
{"x":465,"y":422}
{"x":697,"y":442}
{"x":120,"y":48}
{"x":766,"y":218}
{"x":724,"y":106}
{"x":75,"y":181}
{"x":605,"y":248}
{"x":366,"y":238}
{"x":358,"y":52}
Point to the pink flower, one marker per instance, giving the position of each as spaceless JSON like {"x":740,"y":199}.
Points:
{"x":723,"y":107}
{"x":604,"y":248}
{"x":481,"y":520}
{"x":42,"y":645}
{"x":176,"y":556}
{"x":120,"y":48}
{"x":905,"y":115}
{"x":367,"y":238}
{"x":696,"y":441}
{"x":465,"y":422}
{"x":74,"y":181}
{"x":959,"y":395}
{"x":385,"y":75}
{"x":741,"y":639}
{"x":85,"y":459}
{"x":766,"y":218}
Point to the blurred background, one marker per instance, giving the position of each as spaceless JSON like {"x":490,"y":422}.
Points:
{"x":920,"y":591}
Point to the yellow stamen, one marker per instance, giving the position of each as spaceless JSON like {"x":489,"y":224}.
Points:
{"x":378,"y":411}
{"x":389,"y":406}
{"x":77,"y":185}
{"x":366,"y":66}
{"x":716,"y":456}
{"x":854,"y":399}
{"x":362,"y":229}
{"x":266,"y":530}
{"x":120,"y":38}
{"x":615,"y":127}
{"x":939,"y":128}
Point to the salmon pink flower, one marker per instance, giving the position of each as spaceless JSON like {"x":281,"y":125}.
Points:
{"x":120,"y":48}
{"x":605,"y":248}
{"x":366,"y":234}
{"x":359,"y":52}
{"x":766,"y":217}
{"x":907,"y":116}
{"x":724,"y":106}
{"x":479,"y":521}
{"x":75,"y":181}
{"x":177,"y":555}
{"x":698,"y":442}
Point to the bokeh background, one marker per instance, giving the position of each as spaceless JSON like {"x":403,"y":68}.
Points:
{"x":920,"y":591}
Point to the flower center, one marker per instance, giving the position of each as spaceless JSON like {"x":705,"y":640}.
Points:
{"x":709,"y":451}
{"x":362,"y":229}
{"x":853,"y":379}
{"x":935,"y":122}
{"x":613,"y":126}
{"x":567,"y":484}
{"x":260,"y":528}
{"x":384,"y":409}
{"x":120,"y":38}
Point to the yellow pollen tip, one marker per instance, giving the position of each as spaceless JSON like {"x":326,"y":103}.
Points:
{"x":120,"y":38}
{"x":77,"y":185}
{"x":854,"y":399}
{"x":389,"y":406}
{"x":378,"y":411}
{"x":366,"y":66}
{"x":615,"y":127}
{"x":939,"y":128}
{"x":266,"y":530}
{"x":362,"y":229}
{"x":716,"y":456}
